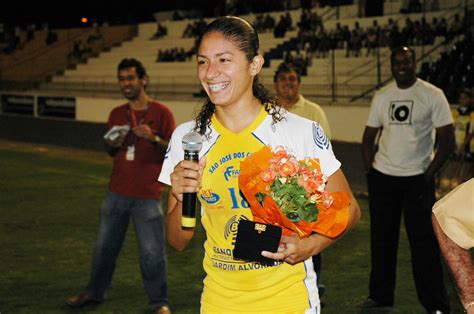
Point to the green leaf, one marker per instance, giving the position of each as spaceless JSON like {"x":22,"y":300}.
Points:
{"x":293,"y":216}
{"x":260,"y":197}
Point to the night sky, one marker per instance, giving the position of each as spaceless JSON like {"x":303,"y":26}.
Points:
{"x":69,"y":13}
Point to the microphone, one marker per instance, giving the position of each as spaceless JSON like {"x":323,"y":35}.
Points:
{"x":192,"y":144}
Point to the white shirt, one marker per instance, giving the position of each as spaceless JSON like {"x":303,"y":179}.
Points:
{"x":303,"y":137}
{"x":407,"y":118}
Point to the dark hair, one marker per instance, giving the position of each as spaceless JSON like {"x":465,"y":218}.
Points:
{"x":132,"y":63}
{"x":468,"y":91}
{"x":285,"y":67}
{"x":403,"y":49}
{"x":245,"y":38}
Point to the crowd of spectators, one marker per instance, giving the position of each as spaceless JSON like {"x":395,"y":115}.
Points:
{"x":266,"y":23}
{"x":51,"y":36}
{"x":161,"y":31}
{"x":80,"y":50}
{"x":315,"y":41}
{"x":9,"y":38}
{"x":453,"y":68}
{"x":194,"y":29}
{"x":413,"y":6}
{"x":414,"y":33}
{"x":15,"y":37}
{"x":235,"y":7}
{"x":174,"y":54}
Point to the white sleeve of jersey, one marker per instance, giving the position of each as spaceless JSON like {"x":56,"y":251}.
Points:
{"x":321,"y":148}
{"x":328,"y":161}
{"x":306,"y":139}
{"x":174,"y":153}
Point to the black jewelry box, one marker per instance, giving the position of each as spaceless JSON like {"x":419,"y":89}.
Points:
{"x":255,"y":237}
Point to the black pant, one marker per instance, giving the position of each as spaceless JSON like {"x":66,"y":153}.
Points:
{"x":317,"y":262}
{"x":389,"y":197}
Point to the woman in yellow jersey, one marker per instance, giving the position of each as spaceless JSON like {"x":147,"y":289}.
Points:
{"x":238,"y":118}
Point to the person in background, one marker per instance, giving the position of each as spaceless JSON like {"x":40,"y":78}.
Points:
{"x":287,"y":80}
{"x":463,"y":118}
{"x":400,"y":176}
{"x":241,"y":117}
{"x":453,"y":222}
{"x":51,"y":37}
{"x":133,"y":191}
{"x":460,"y":166}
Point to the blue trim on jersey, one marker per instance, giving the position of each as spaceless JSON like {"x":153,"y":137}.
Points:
{"x":207,"y":151}
{"x":259,"y":139}
{"x":319,"y":138}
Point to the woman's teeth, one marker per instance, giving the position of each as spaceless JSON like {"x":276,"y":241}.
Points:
{"x":217,"y":87}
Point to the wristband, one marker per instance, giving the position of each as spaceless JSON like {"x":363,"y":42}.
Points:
{"x":156,"y":139}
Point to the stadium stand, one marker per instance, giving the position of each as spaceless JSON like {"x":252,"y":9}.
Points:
{"x":452,"y":68}
{"x":333,"y":77}
{"x":37,"y":60}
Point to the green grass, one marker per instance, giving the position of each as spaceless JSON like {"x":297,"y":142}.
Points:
{"x":49,"y":203}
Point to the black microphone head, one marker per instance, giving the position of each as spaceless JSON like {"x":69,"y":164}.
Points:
{"x":192,"y":141}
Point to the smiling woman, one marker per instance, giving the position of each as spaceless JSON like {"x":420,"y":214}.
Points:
{"x":228,"y":66}
{"x":238,"y":118}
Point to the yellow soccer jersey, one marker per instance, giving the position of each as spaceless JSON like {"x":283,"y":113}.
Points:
{"x":234,"y":285}
{"x":463,"y":124}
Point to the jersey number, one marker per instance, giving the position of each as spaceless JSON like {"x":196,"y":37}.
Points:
{"x":235,"y":202}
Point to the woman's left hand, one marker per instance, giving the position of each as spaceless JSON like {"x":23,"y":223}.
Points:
{"x":292,"y":249}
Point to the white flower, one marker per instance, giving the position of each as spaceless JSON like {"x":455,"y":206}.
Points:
{"x":320,"y":188}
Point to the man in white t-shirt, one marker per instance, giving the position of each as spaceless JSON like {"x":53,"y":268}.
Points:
{"x":406,"y":115}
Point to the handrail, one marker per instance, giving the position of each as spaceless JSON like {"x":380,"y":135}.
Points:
{"x":328,"y":14}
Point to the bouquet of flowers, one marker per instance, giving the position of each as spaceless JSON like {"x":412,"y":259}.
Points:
{"x":290,"y":193}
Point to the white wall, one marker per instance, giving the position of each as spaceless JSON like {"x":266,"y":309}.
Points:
{"x":347,"y":122}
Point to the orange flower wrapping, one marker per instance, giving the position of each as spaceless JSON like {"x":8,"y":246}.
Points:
{"x":331,"y":222}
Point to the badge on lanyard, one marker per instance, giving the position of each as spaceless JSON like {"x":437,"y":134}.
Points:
{"x":130,"y":155}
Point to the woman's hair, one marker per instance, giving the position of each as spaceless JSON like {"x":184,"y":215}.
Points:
{"x":245,"y":38}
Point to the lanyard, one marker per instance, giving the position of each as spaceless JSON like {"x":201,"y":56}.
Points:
{"x":133,"y":120}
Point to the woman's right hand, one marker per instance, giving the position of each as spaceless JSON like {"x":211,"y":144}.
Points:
{"x":186,"y":177}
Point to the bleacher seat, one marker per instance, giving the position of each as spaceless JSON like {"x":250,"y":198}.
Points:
{"x":345,"y":78}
